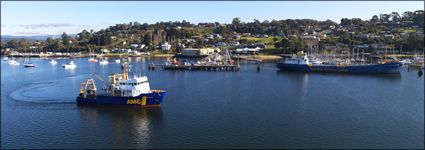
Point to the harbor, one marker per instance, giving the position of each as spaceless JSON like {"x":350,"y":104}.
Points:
{"x":211,"y":62}
{"x":212,"y":75}
{"x":378,"y":98}
{"x":202,"y":67}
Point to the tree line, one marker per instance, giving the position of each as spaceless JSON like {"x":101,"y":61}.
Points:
{"x":152,"y":35}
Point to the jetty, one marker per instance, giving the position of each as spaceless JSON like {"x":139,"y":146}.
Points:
{"x":202,"y":67}
{"x":213,"y":62}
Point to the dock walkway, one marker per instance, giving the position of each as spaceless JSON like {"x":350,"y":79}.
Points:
{"x":198,"y":67}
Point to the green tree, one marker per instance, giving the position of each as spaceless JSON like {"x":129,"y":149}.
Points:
{"x":146,"y":39}
{"x":65,"y":39}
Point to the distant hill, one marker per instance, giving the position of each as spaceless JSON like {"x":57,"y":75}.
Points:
{"x":32,"y":37}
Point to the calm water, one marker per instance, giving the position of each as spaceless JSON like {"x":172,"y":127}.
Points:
{"x":245,"y":109}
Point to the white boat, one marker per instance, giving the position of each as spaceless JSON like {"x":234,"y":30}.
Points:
{"x":91,"y":55}
{"x":53,"y":62}
{"x":93,"y":60}
{"x":316,"y":61}
{"x":104,"y":62}
{"x":5,"y":59}
{"x":406,"y":61}
{"x":29,"y":64}
{"x":70,"y":65}
{"x":13,"y":62}
{"x":117,"y":61}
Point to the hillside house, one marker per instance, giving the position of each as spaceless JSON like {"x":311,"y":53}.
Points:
{"x":165,"y":46}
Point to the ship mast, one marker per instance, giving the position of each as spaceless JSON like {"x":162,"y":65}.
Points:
{"x":125,"y":69}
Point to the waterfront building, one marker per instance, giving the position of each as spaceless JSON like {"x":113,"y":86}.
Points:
{"x":199,"y":51}
{"x":166,"y":46}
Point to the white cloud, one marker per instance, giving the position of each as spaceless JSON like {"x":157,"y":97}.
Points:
{"x":50,"y":25}
{"x":27,"y":33}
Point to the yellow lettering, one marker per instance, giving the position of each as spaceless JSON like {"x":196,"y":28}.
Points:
{"x":134,"y":101}
{"x":143,"y":100}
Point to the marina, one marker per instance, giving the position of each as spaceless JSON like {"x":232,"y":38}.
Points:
{"x":212,"y":75}
{"x":365,"y":117}
{"x":202,"y":67}
{"x":211,"y":62}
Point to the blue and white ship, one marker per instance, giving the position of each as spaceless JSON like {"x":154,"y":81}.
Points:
{"x":122,"y":90}
{"x":303,"y":64}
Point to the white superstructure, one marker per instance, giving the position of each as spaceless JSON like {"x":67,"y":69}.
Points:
{"x":302,"y":60}
{"x":134,"y":86}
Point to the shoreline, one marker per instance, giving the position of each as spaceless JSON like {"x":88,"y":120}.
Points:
{"x":260,"y":57}
{"x":268,"y":57}
{"x":86,"y":56}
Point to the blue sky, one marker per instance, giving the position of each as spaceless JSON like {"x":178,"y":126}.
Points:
{"x":45,"y":18}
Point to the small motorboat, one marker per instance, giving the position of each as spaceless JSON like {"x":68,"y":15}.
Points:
{"x":117,"y":61}
{"x":70,"y":65}
{"x":13,"y":62}
{"x":29,"y":64}
{"x":104,"y":62}
{"x":93,"y":60}
{"x":406,"y":61}
{"x":5,"y":59}
{"x":53,"y":62}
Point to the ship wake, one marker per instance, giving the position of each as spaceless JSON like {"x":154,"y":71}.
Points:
{"x":57,"y":91}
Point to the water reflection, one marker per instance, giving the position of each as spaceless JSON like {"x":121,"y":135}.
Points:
{"x":129,"y":59}
{"x":132,"y":125}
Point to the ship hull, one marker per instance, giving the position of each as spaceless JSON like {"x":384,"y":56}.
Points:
{"x":372,"y":68}
{"x":153,"y":99}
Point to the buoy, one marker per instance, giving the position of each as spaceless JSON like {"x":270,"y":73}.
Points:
{"x":258,"y":68}
{"x":420,"y":73}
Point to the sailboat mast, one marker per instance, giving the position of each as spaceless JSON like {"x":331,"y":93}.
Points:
{"x":385,"y":56}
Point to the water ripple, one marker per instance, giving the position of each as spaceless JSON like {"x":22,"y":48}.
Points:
{"x":41,"y":92}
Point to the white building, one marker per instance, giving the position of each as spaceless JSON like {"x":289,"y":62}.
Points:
{"x":199,"y":51}
{"x":134,"y":46}
{"x":104,"y":50}
{"x":218,"y":44}
{"x":234,"y":43}
{"x":247,"y":50}
{"x":141,"y":46}
{"x":166,"y":46}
